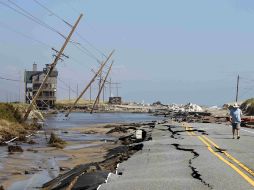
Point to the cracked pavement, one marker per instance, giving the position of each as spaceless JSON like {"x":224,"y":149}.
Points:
{"x":175,"y":159}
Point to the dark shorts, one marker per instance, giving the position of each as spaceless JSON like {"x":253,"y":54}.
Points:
{"x":236,"y":125}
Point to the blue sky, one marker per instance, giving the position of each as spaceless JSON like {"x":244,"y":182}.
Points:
{"x":174,"y":51}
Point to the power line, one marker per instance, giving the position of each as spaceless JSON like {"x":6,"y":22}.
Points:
{"x":247,"y":79}
{"x":38,"y":21}
{"x":51,"y":12}
{"x":68,"y":86}
{"x":30,"y":16}
{"x":66,"y":22}
{"x":78,"y":62}
{"x":70,"y":6}
{"x":85,"y":51}
{"x":14,"y":80}
{"x":24,"y":35}
{"x":62,"y":88}
{"x":84,"y":39}
{"x":42,"y":23}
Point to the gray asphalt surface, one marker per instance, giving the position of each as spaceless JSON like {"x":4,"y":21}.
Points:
{"x":177,"y":160}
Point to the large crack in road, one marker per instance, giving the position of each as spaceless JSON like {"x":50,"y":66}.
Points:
{"x":195,"y":173}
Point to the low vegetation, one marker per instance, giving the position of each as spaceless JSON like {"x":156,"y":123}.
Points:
{"x":248,"y":107}
{"x":11,"y":124}
{"x":9,"y":113}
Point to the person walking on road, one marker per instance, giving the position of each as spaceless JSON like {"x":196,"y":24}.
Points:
{"x":235,"y":119}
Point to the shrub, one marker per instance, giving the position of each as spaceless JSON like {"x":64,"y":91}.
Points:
{"x":248,"y":107}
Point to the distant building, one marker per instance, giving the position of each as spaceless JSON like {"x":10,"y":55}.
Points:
{"x":33,"y":80}
{"x":115,"y":100}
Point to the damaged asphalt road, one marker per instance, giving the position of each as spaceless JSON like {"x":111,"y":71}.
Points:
{"x":177,"y":159}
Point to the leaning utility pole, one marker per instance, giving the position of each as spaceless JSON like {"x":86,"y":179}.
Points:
{"x":103,"y":93}
{"x":100,"y":82}
{"x":237,"y":88}
{"x":90,"y":93}
{"x":69,"y":88}
{"x":52,"y":66}
{"x":102,"y":86}
{"x":90,"y":83}
{"x":110,"y":81}
{"x":77,"y":90}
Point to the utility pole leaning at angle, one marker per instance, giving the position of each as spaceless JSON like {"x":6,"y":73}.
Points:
{"x":110,"y":93}
{"x":52,"y":66}
{"x":90,"y":83}
{"x":237,"y":88}
{"x":77,"y":90}
{"x":100,"y":82}
{"x":103,"y":93}
{"x":90,"y":93}
{"x":104,"y":81}
{"x":69,"y":92}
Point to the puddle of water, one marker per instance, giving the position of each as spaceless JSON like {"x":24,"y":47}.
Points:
{"x":32,"y":183}
{"x":35,"y":181}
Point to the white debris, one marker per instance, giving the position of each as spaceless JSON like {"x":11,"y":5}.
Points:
{"x":214,"y":107}
{"x":139,"y":134}
{"x":192,"y":108}
{"x":185,"y":108}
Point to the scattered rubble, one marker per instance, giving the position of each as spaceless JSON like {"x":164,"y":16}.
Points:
{"x":90,"y":176}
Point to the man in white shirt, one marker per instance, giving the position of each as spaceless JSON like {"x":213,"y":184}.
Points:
{"x":235,"y":118}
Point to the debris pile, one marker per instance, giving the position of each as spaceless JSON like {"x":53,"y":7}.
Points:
{"x":192,"y":108}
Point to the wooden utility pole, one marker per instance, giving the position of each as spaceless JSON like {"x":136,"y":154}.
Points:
{"x":103,"y":93}
{"x":110,"y":92}
{"x":104,"y":81}
{"x":90,"y":83}
{"x":90,"y":93}
{"x":100,"y":81}
{"x":69,"y":92}
{"x":237,"y":88}
{"x":77,"y":90}
{"x":52,"y":66}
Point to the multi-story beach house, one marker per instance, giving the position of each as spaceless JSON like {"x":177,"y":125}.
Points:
{"x":33,"y":80}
